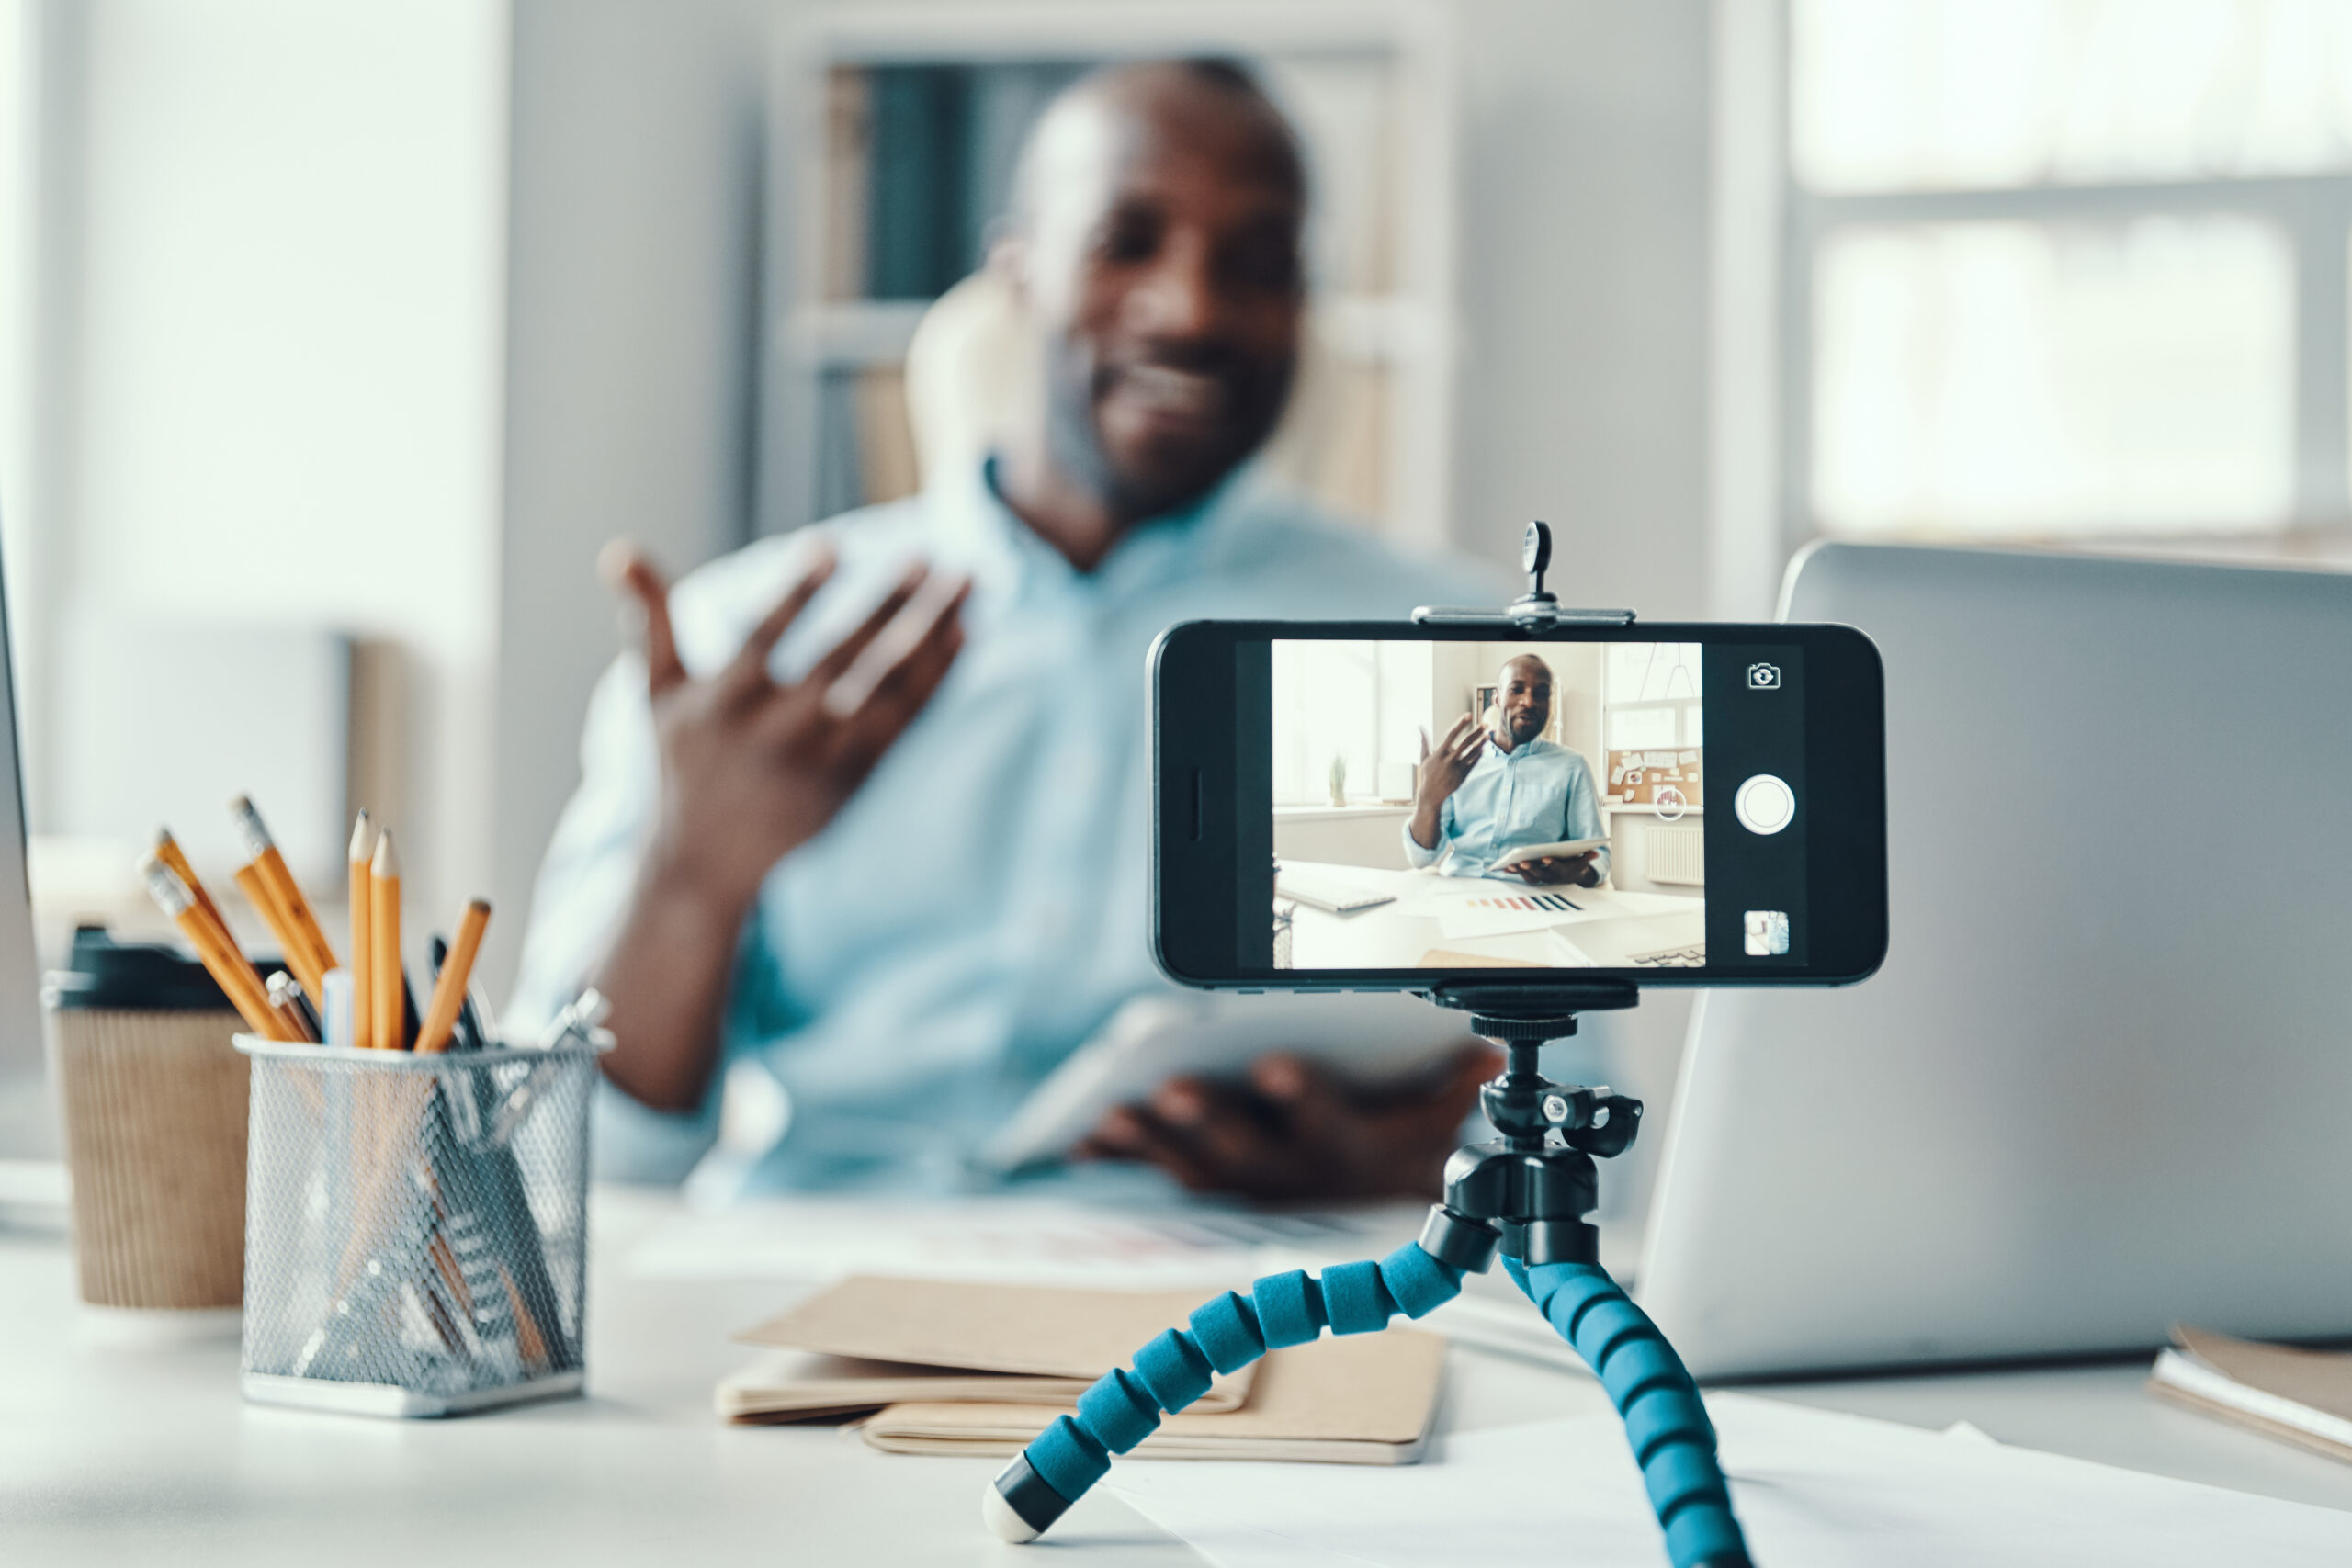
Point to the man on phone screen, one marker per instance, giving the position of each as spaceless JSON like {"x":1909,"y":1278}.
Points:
{"x":1488,"y":795}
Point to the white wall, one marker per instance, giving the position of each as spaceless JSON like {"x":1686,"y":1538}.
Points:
{"x":285,"y":376}
{"x":1360,"y":835}
{"x":632,"y":326}
{"x":1584,"y":389}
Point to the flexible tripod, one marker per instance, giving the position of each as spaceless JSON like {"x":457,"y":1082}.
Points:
{"x":1525,"y":1195}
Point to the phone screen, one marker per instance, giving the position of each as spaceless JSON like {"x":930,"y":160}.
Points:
{"x":1455,"y":804}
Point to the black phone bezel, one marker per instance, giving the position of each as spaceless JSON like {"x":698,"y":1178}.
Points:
{"x":1205,"y":828}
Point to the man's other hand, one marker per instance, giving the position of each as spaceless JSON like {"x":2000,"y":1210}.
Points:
{"x":1573,"y":871}
{"x":1296,"y":1131}
{"x":753,"y":767}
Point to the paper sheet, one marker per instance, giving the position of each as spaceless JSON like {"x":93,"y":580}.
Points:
{"x":1811,"y":1486}
{"x":1528,"y":909}
{"x":1036,"y":1240}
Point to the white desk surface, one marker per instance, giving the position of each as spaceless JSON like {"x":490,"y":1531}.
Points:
{"x":134,"y":1457}
{"x":1398,"y":935}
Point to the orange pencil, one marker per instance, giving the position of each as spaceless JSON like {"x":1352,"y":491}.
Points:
{"x":307,"y":950}
{"x":263,"y":896}
{"x":449,"y":991}
{"x":362,"y":947}
{"x":221,"y":958}
{"x":167,"y":850}
{"x":391,"y":1013}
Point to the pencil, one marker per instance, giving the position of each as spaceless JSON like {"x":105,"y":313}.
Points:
{"x":221,"y":958}
{"x":449,"y":990}
{"x":264,"y":898}
{"x":167,"y":850}
{"x":363,"y":953}
{"x":307,"y":950}
{"x":388,"y":1021}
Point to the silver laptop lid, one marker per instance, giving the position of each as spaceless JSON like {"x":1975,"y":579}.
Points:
{"x":2104,"y":1082}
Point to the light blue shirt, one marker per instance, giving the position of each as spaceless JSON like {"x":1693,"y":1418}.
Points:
{"x":979,"y":908}
{"x":1540,"y":793}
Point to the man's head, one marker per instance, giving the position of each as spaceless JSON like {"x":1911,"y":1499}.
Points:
{"x":1523,"y":698}
{"x":1155,"y":240}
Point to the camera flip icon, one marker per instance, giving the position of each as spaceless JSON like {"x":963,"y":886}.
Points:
{"x":1763,"y":677}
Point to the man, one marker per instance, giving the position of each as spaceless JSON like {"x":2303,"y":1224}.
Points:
{"x":879,"y":831}
{"x":1486,"y":796}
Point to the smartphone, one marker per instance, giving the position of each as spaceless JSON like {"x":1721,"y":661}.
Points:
{"x":1734,"y":774}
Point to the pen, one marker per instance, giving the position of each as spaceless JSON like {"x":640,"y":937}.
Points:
{"x":362,"y":947}
{"x":336,"y":1009}
{"x":293,"y":1007}
{"x":472,"y":1033}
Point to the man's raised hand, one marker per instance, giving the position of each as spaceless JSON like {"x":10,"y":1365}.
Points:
{"x":1442,"y":770}
{"x":753,"y":767}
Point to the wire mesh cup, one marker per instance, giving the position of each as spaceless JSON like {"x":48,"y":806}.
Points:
{"x":416,"y":1226}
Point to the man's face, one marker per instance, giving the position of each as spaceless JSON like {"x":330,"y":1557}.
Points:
{"x":1162,"y":268}
{"x":1526,"y":700}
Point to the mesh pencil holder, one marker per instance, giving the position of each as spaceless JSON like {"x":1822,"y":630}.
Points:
{"x":416,"y":1226}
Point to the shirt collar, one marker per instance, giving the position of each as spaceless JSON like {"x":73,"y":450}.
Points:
{"x":973,"y":517}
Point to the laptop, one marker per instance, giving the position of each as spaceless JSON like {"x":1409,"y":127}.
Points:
{"x":2104,"y":1082}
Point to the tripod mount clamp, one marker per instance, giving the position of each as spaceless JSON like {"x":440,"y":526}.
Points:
{"x":1537,"y":608}
{"x":1528,"y":1194}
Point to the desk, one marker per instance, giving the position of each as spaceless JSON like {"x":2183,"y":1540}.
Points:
{"x":121,"y":1457}
{"x":1609,"y":924}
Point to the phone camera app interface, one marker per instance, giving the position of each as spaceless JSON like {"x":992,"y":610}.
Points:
{"x":1543,"y":805}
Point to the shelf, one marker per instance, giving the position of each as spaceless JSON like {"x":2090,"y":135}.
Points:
{"x":1641,"y":809}
{"x":1320,"y":813}
{"x":844,"y":334}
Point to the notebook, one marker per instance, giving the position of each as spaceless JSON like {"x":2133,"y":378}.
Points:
{"x":870,"y":1341}
{"x":1366,"y":1399}
{"x":2304,"y":1396}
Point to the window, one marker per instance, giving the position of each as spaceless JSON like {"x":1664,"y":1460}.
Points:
{"x":2066,"y":268}
{"x":1651,"y":694}
{"x":1359,"y":712}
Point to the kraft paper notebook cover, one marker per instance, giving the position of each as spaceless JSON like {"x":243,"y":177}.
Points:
{"x":1366,"y":1399}
{"x":2304,"y":1396}
{"x":870,"y":1341}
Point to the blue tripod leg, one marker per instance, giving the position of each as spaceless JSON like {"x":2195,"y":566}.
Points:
{"x":1665,"y":1423}
{"x":1226,"y":1333}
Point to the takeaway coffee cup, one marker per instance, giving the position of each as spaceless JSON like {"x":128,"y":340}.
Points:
{"x":153,"y":1099}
